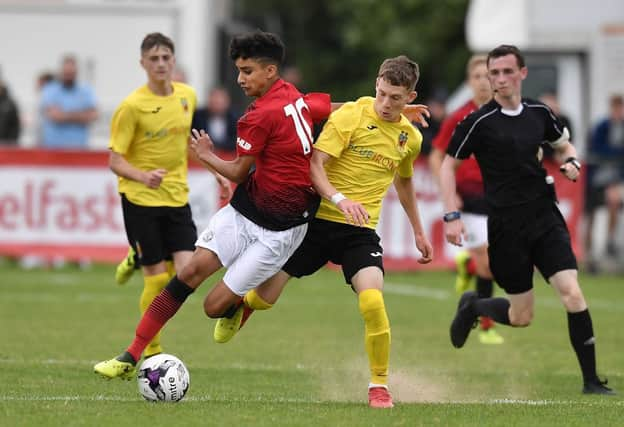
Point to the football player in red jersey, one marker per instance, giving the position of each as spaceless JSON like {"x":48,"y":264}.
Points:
{"x":268,"y":215}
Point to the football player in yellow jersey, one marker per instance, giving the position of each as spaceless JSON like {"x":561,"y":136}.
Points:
{"x":148,"y":153}
{"x":364,"y":147}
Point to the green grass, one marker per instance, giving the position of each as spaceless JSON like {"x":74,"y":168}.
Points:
{"x":302,"y":363}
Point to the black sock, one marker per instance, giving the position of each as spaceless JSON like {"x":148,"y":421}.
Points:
{"x":178,"y":289}
{"x":495,"y":308}
{"x":126,"y":357}
{"x":485,"y":287}
{"x":582,"y":338}
{"x":231,"y":311}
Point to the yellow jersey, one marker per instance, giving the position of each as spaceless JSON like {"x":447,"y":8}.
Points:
{"x":151,"y":132}
{"x":366,"y":154}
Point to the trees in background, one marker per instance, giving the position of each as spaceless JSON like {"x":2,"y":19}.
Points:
{"x":338,"y":45}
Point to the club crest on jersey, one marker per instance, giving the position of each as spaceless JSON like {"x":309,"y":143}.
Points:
{"x":402,"y":139}
{"x":184,"y":103}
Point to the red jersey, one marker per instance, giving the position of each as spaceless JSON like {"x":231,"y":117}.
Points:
{"x":277,"y":130}
{"x":468,"y":175}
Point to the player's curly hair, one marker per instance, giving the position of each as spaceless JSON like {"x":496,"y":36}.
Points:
{"x":400,"y":71}
{"x":258,"y":45}
{"x":156,"y":39}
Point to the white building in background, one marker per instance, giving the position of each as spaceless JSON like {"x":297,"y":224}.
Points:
{"x":105,"y":35}
{"x":573,"y":47}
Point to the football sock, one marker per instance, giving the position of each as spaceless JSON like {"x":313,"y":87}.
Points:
{"x":255,"y":301}
{"x":485,"y":287}
{"x":231,"y":310}
{"x":126,"y":357}
{"x":582,"y":338}
{"x":485,"y":323}
{"x":471,"y":266}
{"x":163,"y":308}
{"x":152,"y":285}
{"x":170,"y":268}
{"x":496,"y":308}
{"x":376,"y":334}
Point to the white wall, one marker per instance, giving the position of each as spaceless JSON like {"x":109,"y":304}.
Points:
{"x":105,"y":36}
{"x":585,"y":41}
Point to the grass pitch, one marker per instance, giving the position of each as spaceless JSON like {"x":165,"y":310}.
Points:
{"x":303,"y":362}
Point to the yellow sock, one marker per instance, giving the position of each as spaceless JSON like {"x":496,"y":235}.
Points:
{"x":152,"y":285}
{"x":376,"y":334}
{"x":255,"y":302}
{"x":170,"y":269}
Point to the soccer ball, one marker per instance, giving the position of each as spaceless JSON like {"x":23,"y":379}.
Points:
{"x":163,"y":377}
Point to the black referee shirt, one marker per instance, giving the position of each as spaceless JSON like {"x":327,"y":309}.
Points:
{"x":505,"y":145}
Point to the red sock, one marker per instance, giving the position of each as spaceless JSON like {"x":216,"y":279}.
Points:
{"x":246,"y":313}
{"x":486,"y":323}
{"x":163,"y":308}
{"x":471,"y":267}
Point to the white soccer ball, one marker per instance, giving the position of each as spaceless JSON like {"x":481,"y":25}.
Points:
{"x":163,"y":377}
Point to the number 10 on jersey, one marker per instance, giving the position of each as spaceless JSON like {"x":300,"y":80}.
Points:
{"x":303,"y":129}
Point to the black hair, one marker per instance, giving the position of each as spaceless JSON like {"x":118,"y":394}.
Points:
{"x":258,"y":45}
{"x":504,"y":50}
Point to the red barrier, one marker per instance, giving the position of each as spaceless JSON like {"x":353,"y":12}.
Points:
{"x":65,"y":203}
{"x":397,"y":238}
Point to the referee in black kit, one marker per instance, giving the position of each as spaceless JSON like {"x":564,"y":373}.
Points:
{"x":525,"y":227}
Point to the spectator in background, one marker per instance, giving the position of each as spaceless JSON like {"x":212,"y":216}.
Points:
{"x":606,"y":181}
{"x":219,"y":119}
{"x":437,"y":108}
{"x":43,"y":79}
{"x":550,"y":99}
{"x":68,"y":108}
{"x":9,"y":117}
{"x":179,"y":75}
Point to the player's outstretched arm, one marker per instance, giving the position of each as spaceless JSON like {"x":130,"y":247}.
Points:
{"x":414,"y":112}
{"x":407,"y":197}
{"x":417,"y":113}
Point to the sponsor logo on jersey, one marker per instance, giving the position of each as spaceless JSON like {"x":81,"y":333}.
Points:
{"x":371,"y":127}
{"x":378,"y":158}
{"x":376,"y":254}
{"x":156,"y":110}
{"x":243,"y":144}
{"x":184,"y":103}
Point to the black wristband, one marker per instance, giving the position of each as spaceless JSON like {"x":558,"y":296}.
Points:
{"x":574,"y":162}
{"x":451,"y":216}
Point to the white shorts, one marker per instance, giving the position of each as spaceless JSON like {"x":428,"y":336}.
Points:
{"x":250,"y":253}
{"x":476,"y":230}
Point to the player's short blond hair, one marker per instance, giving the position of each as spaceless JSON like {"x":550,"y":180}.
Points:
{"x":400,"y":71}
{"x":474,"y":61}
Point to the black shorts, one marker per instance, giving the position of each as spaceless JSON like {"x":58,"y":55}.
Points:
{"x":155,"y":232}
{"x":528,"y":237}
{"x":347,"y":245}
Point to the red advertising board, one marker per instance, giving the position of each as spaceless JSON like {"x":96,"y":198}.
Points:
{"x":65,"y":203}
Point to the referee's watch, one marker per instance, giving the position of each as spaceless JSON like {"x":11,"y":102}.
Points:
{"x":451,"y":216}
